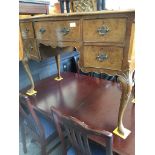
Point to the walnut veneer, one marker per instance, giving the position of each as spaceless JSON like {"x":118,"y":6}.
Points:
{"x":104,"y":39}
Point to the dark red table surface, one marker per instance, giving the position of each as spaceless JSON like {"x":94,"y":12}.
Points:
{"x":92,"y":100}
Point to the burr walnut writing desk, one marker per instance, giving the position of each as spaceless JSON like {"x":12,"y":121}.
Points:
{"x":104,"y":39}
{"x":92,"y":100}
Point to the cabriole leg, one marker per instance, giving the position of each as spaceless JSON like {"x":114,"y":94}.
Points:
{"x":57,"y":58}
{"x":126,"y":82}
{"x":31,"y":91}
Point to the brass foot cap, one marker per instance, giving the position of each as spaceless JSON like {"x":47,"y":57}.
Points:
{"x":125,"y":135}
{"x":58,"y":78}
{"x":31,"y":92}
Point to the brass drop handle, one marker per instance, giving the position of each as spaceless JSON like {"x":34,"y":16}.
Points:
{"x":101,"y":57}
{"x":103,"y":30}
{"x":65,"y":30}
{"x":42,"y":30}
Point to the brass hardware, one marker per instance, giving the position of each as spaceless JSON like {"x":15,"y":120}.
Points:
{"x":42,"y":30}
{"x":103,"y":30}
{"x":101,"y":57}
{"x":27,"y":30}
{"x":65,"y":30}
{"x":31,"y":48}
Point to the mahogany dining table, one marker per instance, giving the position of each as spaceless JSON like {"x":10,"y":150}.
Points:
{"x":91,"y":100}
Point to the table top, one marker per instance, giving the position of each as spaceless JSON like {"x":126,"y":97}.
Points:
{"x":92,"y":100}
{"x":33,"y":7}
{"x":35,"y":1}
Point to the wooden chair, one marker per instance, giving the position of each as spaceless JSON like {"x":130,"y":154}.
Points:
{"x":78,"y":133}
{"x":42,"y":129}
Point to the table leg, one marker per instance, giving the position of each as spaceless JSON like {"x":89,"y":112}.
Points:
{"x":100,"y":5}
{"x":57,"y":58}
{"x":68,"y":6}
{"x":31,"y":91}
{"x":126,"y":82}
{"x":62,"y":6}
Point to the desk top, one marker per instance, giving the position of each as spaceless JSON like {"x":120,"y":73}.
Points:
{"x":92,"y":100}
{"x":81,"y":14}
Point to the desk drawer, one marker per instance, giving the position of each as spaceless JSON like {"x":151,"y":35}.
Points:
{"x":44,"y":30}
{"x":27,"y":30}
{"x":104,"y":30}
{"x":67,"y":30}
{"x":58,"y":31}
{"x":30,"y":48}
{"x":103,"y":57}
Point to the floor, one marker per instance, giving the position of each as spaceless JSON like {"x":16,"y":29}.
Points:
{"x":33,"y":148}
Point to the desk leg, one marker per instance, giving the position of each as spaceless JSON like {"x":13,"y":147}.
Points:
{"x":57,"y":58}
{"x":133,"y":94}
{"x":133,"y":88}
{"x":126,"y":82}
{"x":31,"y":91}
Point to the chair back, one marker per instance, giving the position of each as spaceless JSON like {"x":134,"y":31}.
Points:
{"x":78,"y":133}
{"x":28,"y":116}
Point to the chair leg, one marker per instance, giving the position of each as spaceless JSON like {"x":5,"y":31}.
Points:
{"x":33,"y":140}
{"x":77,"y":153}
{"x":23,"y":138}
{"x":43,"y":149}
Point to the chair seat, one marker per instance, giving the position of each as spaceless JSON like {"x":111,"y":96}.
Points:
{"x":48,"y":126}
{"x":95,"y":148}
{"x":71,"y":151}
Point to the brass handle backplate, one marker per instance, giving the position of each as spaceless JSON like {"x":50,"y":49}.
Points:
{"x":103,"y":30}
{"x":65,"y":30}
{"x":31,"y":48}
{"x":101,"y":57}
{"x":42,"y":30}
